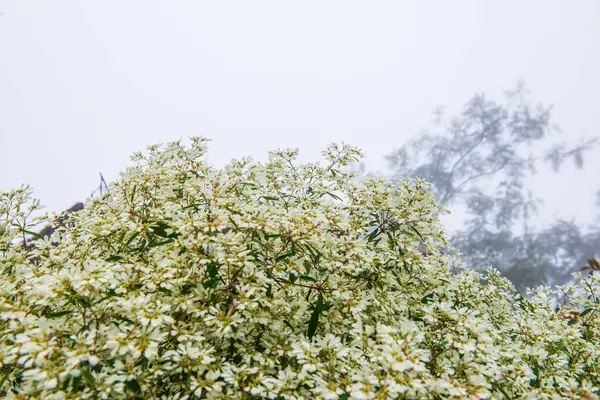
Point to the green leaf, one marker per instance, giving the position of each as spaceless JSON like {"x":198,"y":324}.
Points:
{"x":83,"y":301}
{"x":32,"y":233}
{"x":416,"y":231}
{"x":165,"y":290}
{"x":132,"y":194}
{"x":314,"y":318}
{"x":270,"y":198}
{"x":322,"y":271}
{"x":536,"y":371}
{"x":66,"y":382}
{"x":310,"y":249}
{"x":141,"y":247}
{"x":237,"y":272}
{"x":156,"y":244}
{"x":133,"y":385}
{"x":525,"y":304}
{"x":285,"y":256}
{"x":76,"y":383}
{"x":373,"y":235}
{"x":427,"y":298}
{"x":271,"y":235}
{"x":585,"y":312}
{"x":233,"y":222}
{"x":334,"y":196}
{"x":213,"y":270}
{"x":292,"y":277}
{"x":186,"y":288}
{"x":318,"y":259}
{"x":499,"y":387}
{"x":59,"y":314}
{"x":307,"y":278}
{"x":114,"y":257}
{"x":85,"y":373}
{"x":98,"y":367}
{"x":307,"y":266}
{"x":136,"y":234}
{"x":269,"y":288}
{"x":160,"y":228}
{"x":211,"y":283}
{"x":194,"y":205}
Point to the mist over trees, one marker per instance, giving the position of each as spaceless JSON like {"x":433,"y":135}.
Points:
{"x":481,"y":160}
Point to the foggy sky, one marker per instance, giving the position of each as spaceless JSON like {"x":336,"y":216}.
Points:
{"x":84,"y":84}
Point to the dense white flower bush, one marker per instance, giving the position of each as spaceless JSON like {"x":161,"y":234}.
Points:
{"x":276,"y":280}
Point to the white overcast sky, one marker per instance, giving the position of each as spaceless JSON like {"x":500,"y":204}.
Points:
{"x":83,"y":84}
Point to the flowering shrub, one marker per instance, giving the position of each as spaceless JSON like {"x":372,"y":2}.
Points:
{"x":274,"y":280}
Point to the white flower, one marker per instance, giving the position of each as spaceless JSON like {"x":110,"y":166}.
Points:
{"x":144,"y":295}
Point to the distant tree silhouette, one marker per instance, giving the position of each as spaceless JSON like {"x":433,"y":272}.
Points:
{"x":481,"y":161}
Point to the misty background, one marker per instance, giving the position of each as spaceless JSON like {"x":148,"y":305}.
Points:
{"x":85,"y":84}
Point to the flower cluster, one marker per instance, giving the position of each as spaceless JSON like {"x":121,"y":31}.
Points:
{"x":272,"y":280}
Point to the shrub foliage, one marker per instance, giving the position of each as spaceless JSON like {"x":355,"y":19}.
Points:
{"x":273,"y":280}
